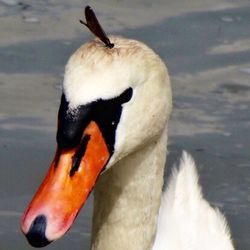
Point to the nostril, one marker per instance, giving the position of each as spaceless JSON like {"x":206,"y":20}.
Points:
{"x":36,"y":235}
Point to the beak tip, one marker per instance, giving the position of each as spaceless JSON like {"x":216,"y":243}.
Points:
{"x":36,"y":234}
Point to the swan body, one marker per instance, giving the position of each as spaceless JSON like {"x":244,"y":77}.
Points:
{"x":186,"y":220}
{"x":112,"y":127}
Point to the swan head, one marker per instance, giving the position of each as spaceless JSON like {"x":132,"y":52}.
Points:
{"x":114,"y":101}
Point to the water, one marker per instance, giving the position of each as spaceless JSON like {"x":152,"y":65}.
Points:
{"x":208,"y":56}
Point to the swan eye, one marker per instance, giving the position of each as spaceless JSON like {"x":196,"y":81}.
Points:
{"x":71,"y":123}
{"x":107,"y":114}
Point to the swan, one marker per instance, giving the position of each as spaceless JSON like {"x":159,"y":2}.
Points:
{"x":112,"y":137}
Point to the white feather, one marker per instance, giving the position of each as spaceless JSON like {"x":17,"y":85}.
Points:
{"x":186,"y":220}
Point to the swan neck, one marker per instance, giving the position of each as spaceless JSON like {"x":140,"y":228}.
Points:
{"x":127,"y":200}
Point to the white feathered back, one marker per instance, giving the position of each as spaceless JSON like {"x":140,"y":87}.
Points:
{"x":186,"y":220}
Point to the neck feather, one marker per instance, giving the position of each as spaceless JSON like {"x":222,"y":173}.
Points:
{"x":127,"y":200}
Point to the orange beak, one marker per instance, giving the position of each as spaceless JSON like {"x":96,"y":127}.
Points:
{"x":64,"y":190}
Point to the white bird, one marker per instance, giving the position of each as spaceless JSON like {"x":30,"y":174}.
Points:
{"x":112,"y":135}
{"x":113,"y":116}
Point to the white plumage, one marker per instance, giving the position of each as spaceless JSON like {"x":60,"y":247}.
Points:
{"x":186,"y":220}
